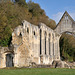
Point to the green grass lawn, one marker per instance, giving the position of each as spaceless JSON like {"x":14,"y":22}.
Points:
{"x":37,"y":71}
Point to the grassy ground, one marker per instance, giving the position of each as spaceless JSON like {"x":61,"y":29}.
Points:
{"x":37,"y":71}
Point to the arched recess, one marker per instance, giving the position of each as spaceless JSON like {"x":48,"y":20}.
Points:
{"x":40,"y":41}
{"x":45,"y":41}
{"x":67,"y":46}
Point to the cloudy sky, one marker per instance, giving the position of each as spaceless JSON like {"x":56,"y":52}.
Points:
{"x":55,"y":8}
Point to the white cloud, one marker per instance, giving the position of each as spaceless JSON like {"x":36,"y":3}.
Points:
{"x":58,"y":16}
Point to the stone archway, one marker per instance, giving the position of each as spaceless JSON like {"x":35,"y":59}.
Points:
{"x":9,"y":60}
{"x":65,"y":45}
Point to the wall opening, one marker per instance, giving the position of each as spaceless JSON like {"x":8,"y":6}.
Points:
{"x":20,"y":34}
{"x":9,"y":60}
{"x":53,"y":48}
{"x":67,"y":46}
{"x":34,"y":32}
{"x":27,"y":30}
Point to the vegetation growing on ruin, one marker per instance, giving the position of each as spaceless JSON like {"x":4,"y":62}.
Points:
{"x":67,"y":47}
{"x":12,"y":14}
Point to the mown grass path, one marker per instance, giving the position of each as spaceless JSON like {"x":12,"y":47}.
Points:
{"x":37,"y":71}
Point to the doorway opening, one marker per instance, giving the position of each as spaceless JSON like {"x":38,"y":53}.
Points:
{"x":9,"y":60}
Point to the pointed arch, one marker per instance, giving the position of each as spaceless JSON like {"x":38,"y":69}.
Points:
{"x":40,"y":42}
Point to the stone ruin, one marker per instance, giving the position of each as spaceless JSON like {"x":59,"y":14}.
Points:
{"x":35,"y":45}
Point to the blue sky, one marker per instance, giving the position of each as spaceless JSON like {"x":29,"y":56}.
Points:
{"x":55,"y":8}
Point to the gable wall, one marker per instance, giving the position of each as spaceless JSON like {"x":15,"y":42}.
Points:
{"x":66,"y":24}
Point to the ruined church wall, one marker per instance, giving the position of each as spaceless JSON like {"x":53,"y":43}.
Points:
{"x":26,"y":41}
{"x":66,"y":25}
{"x":38,"y":44}
{"x":32,"y":35}
{"x":33,"y":40}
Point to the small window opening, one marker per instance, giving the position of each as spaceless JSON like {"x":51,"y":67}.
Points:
{"x":34,"y":32}
{"x":22,"y":24}
{"x":27,"y":30}
{"x":20,"y":34}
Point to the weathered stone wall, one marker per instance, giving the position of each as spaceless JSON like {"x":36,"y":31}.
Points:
{"x":66,"y":24}
{"x":36,"y":44}
{"x":3,"y":52}
{"x":27,"y":47}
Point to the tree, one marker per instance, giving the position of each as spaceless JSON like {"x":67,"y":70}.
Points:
{"x":67,"y":47}
{"x":21,"y":2}
{"x":11,"y":15}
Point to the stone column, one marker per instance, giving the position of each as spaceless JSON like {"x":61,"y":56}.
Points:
{"x":32,"y":42}
{"x":55,"y":49}
{"x":42,"y":43}
{"x":30,"y":37}
{"x":51,"y":47}
{"x":54,"y":54}
{"x":58,"y":50}
{"x":3,"y":61}
{"x":47,"y":45}
{"x":15,"y":60}
{"x":53,"y":43}
{"x":38,"y":47}
{"x":38,"y":36}
{"x":36,"y":43}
